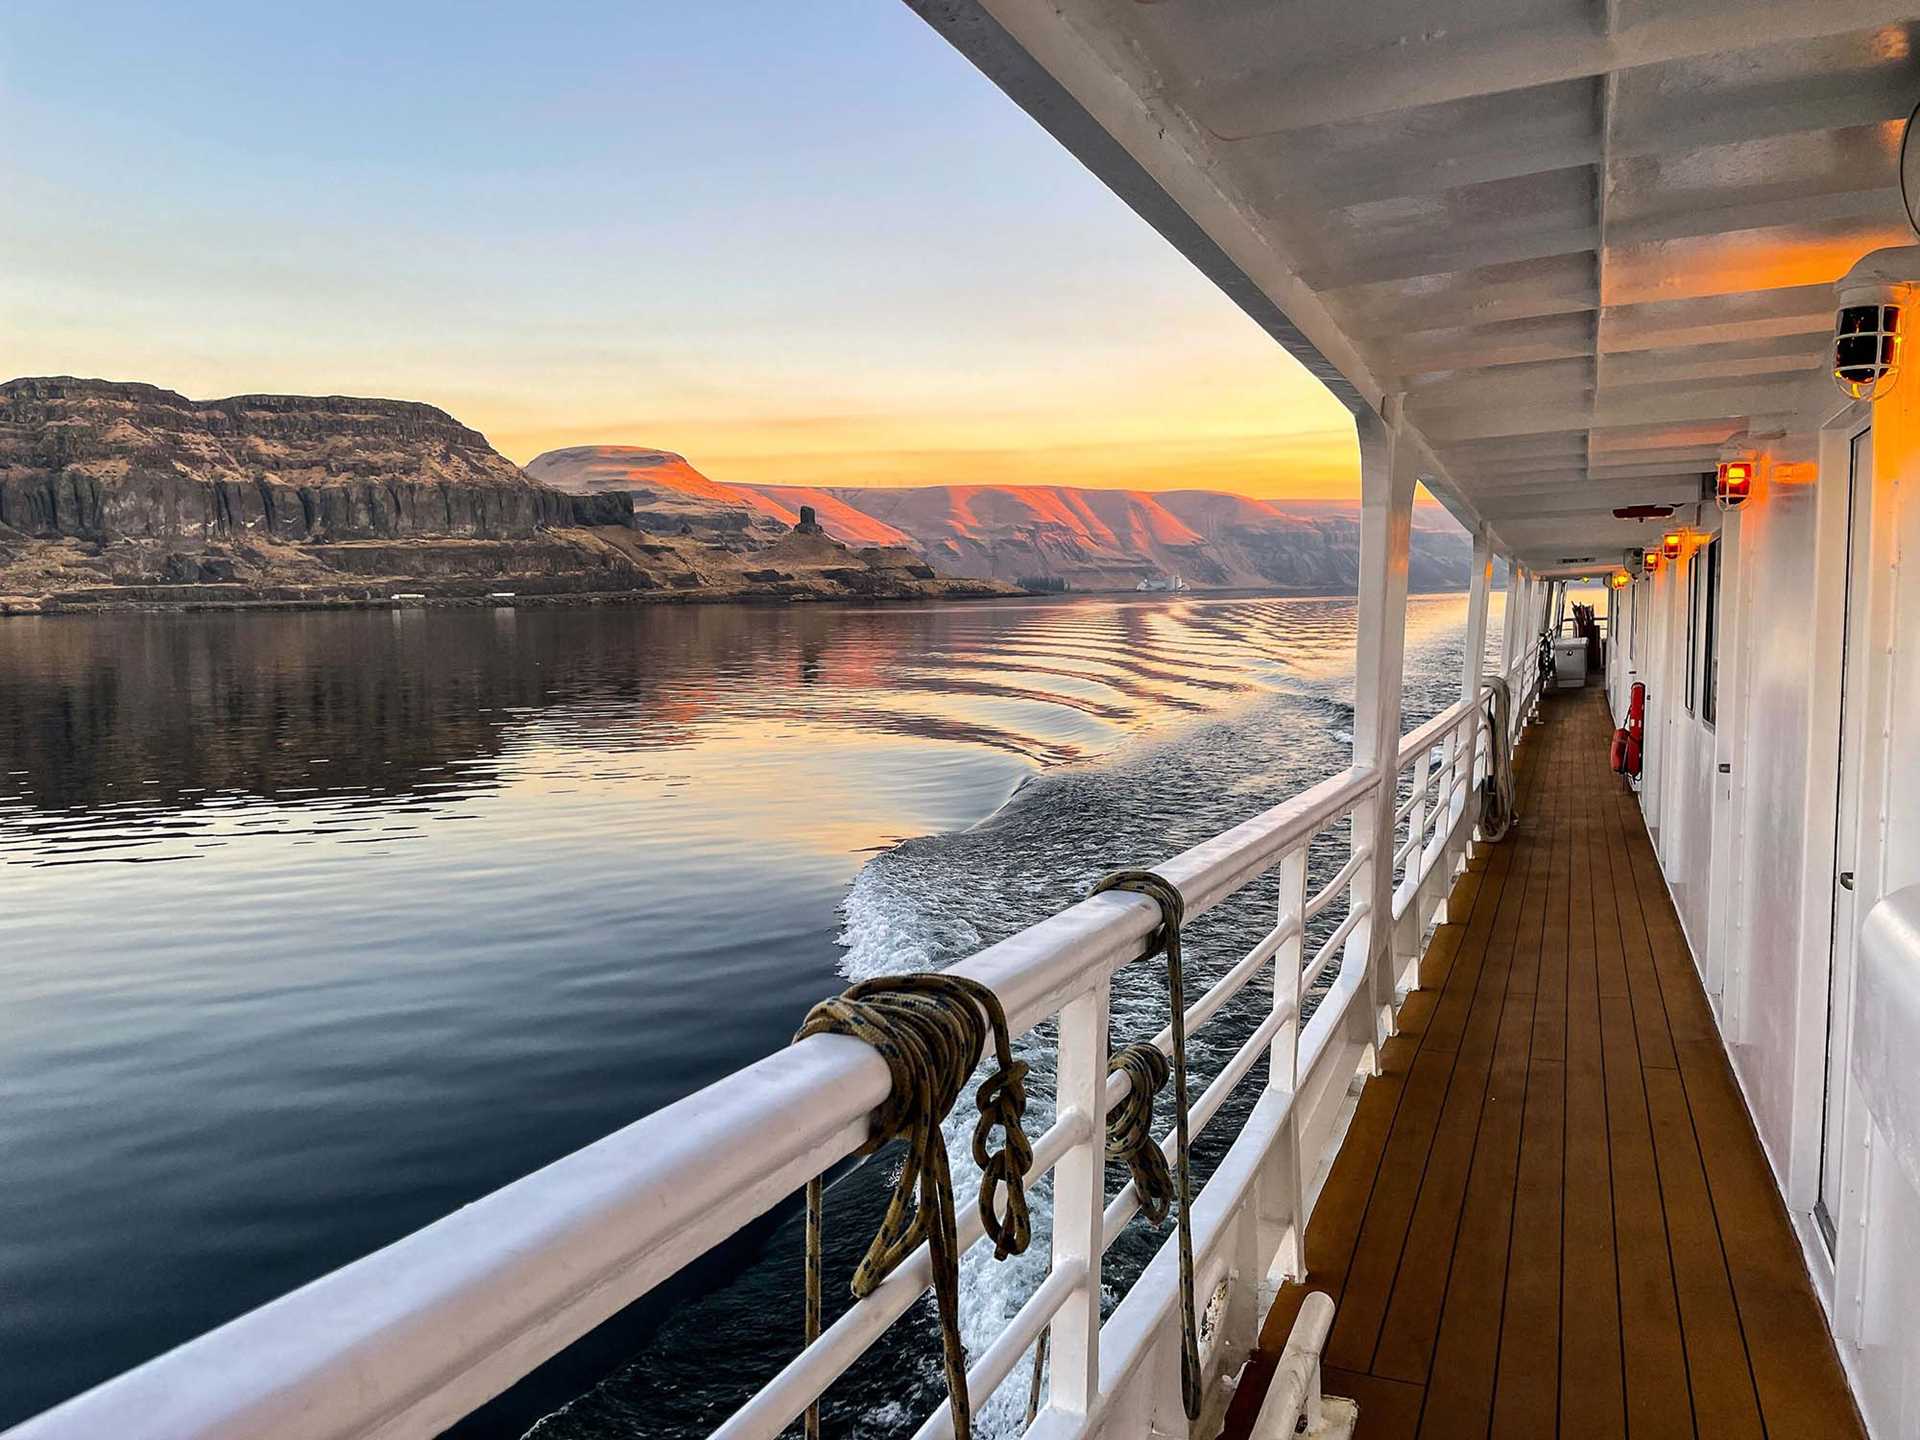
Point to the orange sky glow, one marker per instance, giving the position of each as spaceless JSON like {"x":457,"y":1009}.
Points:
{"x":800,"y":254}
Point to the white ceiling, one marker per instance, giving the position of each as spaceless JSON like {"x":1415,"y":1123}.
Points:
{"x":1587,"y":240}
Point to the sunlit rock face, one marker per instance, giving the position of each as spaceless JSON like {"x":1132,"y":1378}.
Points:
{"x":98,"y":459}
{"x":1094,"y":539}
{"x":667,"y":495}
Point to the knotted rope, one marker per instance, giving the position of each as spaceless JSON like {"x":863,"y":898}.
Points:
{"x":1129,"y":1138}
{"x":931,"y":1030}
{"x":1173,"y":911}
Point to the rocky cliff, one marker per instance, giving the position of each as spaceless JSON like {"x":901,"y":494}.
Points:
{"x":668,"y":494}
{"x":98,"y":459}
{"x":118,"y":494}
{"x":664,"y":493}
{"x":109,"y":488}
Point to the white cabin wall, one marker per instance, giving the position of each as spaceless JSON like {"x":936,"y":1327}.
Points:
{"x":1782,"y":591}
{"x":1688,"y":857}
{"x":1655,"y":592}
{"x":1896,"y":524}
{"x":1876,"y":1300}
{"x":1771,"y":978}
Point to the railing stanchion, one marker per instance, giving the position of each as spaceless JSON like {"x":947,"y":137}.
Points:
{"x":1283,"y":1203}
{"x":1406,"y":928}
{"x":1362,"y":823}
{"x":1079,"y":1197}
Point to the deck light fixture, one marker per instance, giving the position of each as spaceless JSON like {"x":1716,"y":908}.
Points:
{"x":1671,"y":543}
{"x":1654,"y":561}
{"x":1866,"y":346}
{"x":1733,"y":484}
{"x":1619,"y":580}
{"x":1870,"y":303}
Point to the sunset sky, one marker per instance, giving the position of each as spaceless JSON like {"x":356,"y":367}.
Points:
{"x":797,"y":243}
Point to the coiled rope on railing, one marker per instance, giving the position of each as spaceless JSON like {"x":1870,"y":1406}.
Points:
{"x":1166,"y":940}
{"x":1496,"y":791}
{"x":1129,"y":1138}
{"x":931,"y":1030}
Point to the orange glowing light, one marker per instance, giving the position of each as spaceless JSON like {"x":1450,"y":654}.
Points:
{"x":1670,"y":543}
{"x":1735,"y":484}
{"x":1619,"y":580}
{"x":1654,"y":561}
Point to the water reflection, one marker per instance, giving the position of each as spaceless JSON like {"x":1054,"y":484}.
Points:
{"x":315,"y":926}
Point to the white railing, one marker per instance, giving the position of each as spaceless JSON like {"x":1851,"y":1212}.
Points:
{"x":1523,"y":680}
{"x":405,"y":1341}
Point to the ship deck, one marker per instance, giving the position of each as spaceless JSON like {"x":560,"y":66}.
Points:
{"x":1551,"y":1215}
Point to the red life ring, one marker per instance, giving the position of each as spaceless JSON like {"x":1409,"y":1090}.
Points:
{"x":1625,"y":758}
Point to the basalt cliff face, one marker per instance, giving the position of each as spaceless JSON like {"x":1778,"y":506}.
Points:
{"x":97,"y":459}
{"x":116,"y":495}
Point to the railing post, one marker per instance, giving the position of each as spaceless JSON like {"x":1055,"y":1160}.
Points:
{"x":1283,"y":1192}
{"x":1406,"y":930}
{"x":1388,"y":473}
{"x":1079,"y":1196}
{"x":1510,"y":624}
{"x":1473,"y":664}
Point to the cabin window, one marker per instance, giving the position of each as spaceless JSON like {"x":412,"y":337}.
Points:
{"x":1694,"y":572}
{"x":1710,"y":632}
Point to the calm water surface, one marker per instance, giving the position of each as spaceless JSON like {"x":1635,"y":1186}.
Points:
{"x":314,"y":927}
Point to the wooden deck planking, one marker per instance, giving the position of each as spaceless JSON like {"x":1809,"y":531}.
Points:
{"x":1552,"y":1216}
{"x":1413,"y":1316}
{"x":1592,"y":1378}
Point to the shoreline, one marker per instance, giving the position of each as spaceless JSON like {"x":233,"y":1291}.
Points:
{"x":27,"y":606}
{"x":18,"y":607}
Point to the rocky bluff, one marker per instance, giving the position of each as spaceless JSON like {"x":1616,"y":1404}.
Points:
{"x":98,"y":459}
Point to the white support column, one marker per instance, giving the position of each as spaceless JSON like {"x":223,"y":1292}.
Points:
{"x":1510,"y":625}
{"x":1475,"y":660}
{"x":1388,"y":474}
{"x":1472,"y":665}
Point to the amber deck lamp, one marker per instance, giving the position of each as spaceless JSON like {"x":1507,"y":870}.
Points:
{"x":1619,"y":580}
{"x":1735,"y":483}
{"x":1670,"y":544}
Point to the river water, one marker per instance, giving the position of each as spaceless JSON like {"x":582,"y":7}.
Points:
{"x":316,"y":926}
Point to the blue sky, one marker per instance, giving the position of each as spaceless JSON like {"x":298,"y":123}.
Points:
{"x":799,"y":243}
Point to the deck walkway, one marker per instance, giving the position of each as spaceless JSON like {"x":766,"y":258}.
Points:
{"x":1551,"y":1216}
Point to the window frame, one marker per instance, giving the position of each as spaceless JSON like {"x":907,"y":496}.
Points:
{"x":1692,"y":686}
{"x":1709,"y":683}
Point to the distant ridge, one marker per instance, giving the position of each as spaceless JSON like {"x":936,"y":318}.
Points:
{"x":1092,"y":539}
{"x":110,"y":484}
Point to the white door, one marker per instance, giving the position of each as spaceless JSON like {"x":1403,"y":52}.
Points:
{"x":1840,"y":940}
